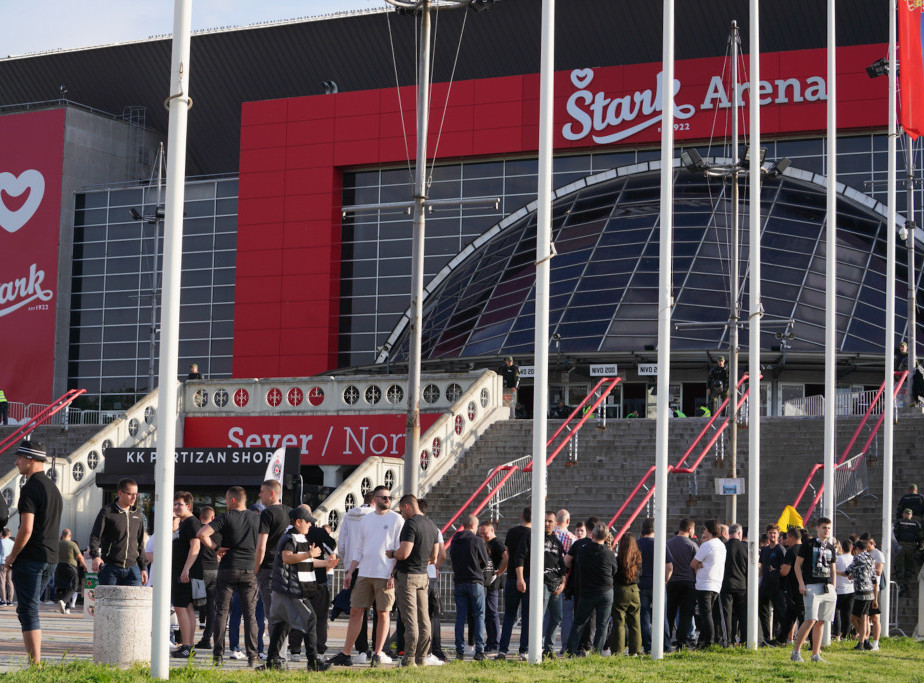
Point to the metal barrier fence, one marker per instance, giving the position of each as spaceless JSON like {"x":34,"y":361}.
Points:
{"x":855,"y":403}
{"x":20,"y":413}
{"x":851,"y":479}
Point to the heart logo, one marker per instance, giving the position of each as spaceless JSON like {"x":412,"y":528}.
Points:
{"x":582,"y":78}
{"x":31,"y":181}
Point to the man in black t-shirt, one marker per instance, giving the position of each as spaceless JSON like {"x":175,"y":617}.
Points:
{"x":35,"y":551}
{"x":186,"y":567}
{"x":321,"y":600}
{"x":514,"y":599}
{"x":793,"y":599}
{"x":209,"y":561}
{"x":497,"y":551}
{"x":274,"y":520}
{"x":735,"y":586}
{"x":470,"y":559}
{"x":419,"y":546}
{"x":815,"y":573}
{"x":238,"y":528}
{"x":572,"y":587}
{"x":770,"y":593}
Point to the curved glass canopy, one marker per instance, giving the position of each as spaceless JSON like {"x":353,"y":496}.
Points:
{"x":604,"y":277}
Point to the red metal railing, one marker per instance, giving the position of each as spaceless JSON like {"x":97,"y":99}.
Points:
{"x":676,"y":468}
{"x":901,"y":377}
{"x":54,"y":407}
{"x":605,"y":386}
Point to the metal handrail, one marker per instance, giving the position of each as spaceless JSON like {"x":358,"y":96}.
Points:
{"x":605,"y":386}
{"x":58,"y":404}
{"x":902,"y":376}
{"x":674,"y":468}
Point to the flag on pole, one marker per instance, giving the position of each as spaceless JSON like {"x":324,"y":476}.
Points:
{"x":911,"y":67}
{"x":275,"y":469}
{"x":789,"y":518}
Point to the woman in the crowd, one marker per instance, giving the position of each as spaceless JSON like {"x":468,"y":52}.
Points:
{"x":627,"y":627}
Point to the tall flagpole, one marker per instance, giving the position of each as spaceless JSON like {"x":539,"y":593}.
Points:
{"x":543,"y":274}
{"x":831,"y":275}
{"x":178,"y":102}
{"x":888,"y":407}
{"x":753,"y":629}
{"x":665,"y":305}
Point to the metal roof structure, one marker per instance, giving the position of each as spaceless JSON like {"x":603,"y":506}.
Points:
{"x":289,"y":59}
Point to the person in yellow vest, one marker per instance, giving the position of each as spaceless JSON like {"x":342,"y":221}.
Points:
{"x":4,"y":409}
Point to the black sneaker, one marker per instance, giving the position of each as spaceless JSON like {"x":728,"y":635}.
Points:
{"x":204,"y":644}
{"x":375,"y":661}
{"x":316,"y":664}
{"x":460,"y":656}
{"x":251,"y":661}
{"x":479,"y":657}
{"x":867,"y":645}
{"x":217,"y":660}
{"x":501,"y":656}
{"x":858,"y":646}
{"x":272,"y":665}
{"x":340,"y":659}
{"x":182,"y":652}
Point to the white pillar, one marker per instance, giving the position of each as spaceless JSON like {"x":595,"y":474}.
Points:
{"x":831,"y":276}
{"x":543,"y":270}
{"x":178,"y":102}
{"x":755,"y":312}
{"x":889,"y":404}
{"x":666,"y":303}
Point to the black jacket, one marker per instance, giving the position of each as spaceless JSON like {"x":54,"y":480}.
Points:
{"x":118,"y":536}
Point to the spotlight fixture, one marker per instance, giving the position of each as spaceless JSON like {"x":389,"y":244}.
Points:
{"x":878,"y":68}
{"x":778,"y":167}
{"x":693,"y":161}
{"x":480,"y":5}
{"x":747,"y":155}
{"x":330,"y":87}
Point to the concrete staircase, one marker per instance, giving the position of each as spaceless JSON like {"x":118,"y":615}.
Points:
{"x":611,"y":463}
{"x":59,"y":441}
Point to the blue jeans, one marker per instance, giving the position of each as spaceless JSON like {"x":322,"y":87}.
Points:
{"x":514,"y":599}
{"x":469,"y":598}
{"x":234,"y":622}
{"x":30,"y":578}
{"x":546,"y":603}
{"x":110,"y":575}
{"x":647,"y":597}
{"x":552,"y":609}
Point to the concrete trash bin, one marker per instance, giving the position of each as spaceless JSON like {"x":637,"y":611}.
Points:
{"x":122,"y":625}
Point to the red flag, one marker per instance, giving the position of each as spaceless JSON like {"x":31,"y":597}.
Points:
{"x":911,"y":71}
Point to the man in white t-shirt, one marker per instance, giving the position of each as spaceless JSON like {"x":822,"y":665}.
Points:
{"x":379,"y":532}
{"x":346,"y":544}
{"x":709,"y":565}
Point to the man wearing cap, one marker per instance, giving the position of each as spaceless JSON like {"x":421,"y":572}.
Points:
{"x":511,"y":375}
{"x":717,"y":386}
{"x":35,"y":551}
{"x":294,"y":585}
{"x":117,"y":540}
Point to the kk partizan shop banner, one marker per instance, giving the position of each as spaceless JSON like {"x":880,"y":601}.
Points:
{"x":322,"y":439}
{"x":31,"y":158}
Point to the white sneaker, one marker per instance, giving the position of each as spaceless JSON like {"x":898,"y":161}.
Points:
{"x":817,"y":658}
{"x":261,"y":655}
{"x":469,"y":649}
{"x":606,"y":653}
{"x":236,"y":654}
{"x":385,"y":659}
{"x":433,"y":660}
{"x":796,"y":656}
{"x":361,"y":658}
{"x":875,"y":646}
{"x":62,"y":608}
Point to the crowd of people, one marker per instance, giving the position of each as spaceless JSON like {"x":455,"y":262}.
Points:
{"x":274,"y":563}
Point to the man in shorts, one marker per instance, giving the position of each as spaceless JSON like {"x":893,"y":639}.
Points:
{"x":379,"y":532}
{"x":186,"y":567}
{"x":815,"y":573}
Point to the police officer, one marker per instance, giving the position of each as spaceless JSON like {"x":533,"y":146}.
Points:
{"x":717,"y":386}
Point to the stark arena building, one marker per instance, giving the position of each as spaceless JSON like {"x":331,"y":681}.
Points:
{"x":296,"y":122}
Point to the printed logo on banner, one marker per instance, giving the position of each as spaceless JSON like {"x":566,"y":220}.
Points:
{"x":30,"y":216}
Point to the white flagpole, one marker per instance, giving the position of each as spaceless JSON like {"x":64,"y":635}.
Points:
{"x":753,"y":629}
{"x":665,"y":306}
{"x":543,"y":275}
{"x":178,"y":103}
{"x":888,"y":406}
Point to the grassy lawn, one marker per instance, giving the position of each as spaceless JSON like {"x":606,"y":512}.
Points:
{"x":900,"y":660}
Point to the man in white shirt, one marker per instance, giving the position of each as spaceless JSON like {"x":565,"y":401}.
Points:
{"x":379,"y":532}
{"x":709,"y":565}
{"x":346,"y":544}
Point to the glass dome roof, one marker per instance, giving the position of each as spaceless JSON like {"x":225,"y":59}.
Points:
{"x":604,"y":277}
